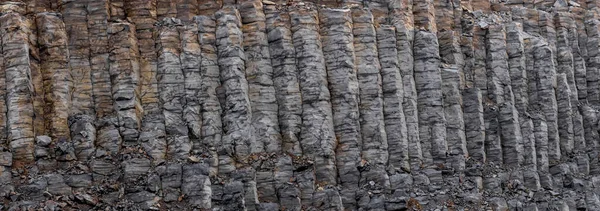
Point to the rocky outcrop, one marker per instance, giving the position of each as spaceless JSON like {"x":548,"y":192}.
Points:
{"x":299,"y":105}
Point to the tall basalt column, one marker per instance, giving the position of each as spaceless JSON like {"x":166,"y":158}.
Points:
{"x":289,"y":99}
{"x":55,"y":74}
{"x":592,"y":26}
{"x":545,"y":78}
{"x":106,"y":118}
{"x":338,"y":48}
{"x":259,"y":74}
{"x":81,"y":117}
{"x":317,"y":137}
{"x":124,"y":73}
{"x":428,"y":80}
{"x":368,"y":68}
{"x":474,"y":123}
{"x":237,"y":113}
{"x":393,"y":97}
{"x":515,"y":49}
{"x":19,"y":117}
{"x":578,"y":44}
{"x":453,"y":112}
{"x":152,"y":132}
{"x":171,"y":87}
{"x":190,"y":64}
{"x":541,"y":142}
{"x":565,"y":114}
{"x":212,"y":128}
{"x":285,"y":78}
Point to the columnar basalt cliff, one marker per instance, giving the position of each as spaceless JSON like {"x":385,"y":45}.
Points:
{"x":300,"y":105}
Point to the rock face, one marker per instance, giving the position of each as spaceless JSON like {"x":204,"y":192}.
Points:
{"x":299,"y":105}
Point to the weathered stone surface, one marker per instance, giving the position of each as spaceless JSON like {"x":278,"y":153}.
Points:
{"x":299,"y":105}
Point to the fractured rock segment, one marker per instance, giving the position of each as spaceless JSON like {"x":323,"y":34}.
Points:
{"x":578,"y":45}
{"x":187,"y":9}
{"x":565,"y":114}
{"x":515,"y":49}
{"x":338,"y":48}
{"x":590,"y":123}
{"x":152,"y":129}
{"x":124,"y":73}
{"x":190,"y":63}
{"x":372,"y":126}
{"x":474,"y":123}
{"x":453,"y":112}
{"x":512,"y":140}
{"x":285,"y":78}
{"x":592,"y":26}
{"x":237,"y":118}
{"x":317,"y":137}
{"x":55,"y":73}
{"x":166,"y":9}
{"x":81,"y":116}
{"x":393,"y":96}
{"x":428,"y":81}
{"x":212,"y":128}
{"x":171,"y":87}
{"x":195,"y":185}
{"x":19,"y":104}
{"x":259,"y":74}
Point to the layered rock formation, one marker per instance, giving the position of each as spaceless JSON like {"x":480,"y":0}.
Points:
{"x":299,"y":105}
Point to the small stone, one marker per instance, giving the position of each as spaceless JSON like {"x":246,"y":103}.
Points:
{"x":43,"y":141}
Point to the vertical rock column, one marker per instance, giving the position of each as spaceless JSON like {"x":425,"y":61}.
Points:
{"x":171,"y":87}
{"x":106,"y":117}
{"x":211,"y":128}
{"x":289,"y":99}
{"x":592,"y":26}
{"x":394,"y":119}
{"x":172,"y":95}
{"x":81,"y":116}
{"x":393,"y":97}
{"x":259,"y":75}
{"x":338,"y":48}
{"x":238,"y":114}
{"x":375,"y":145}
{"x":545,"y":78}
{"x":565,"y":66}
{"x":124,"y":73}
{"x":402,"y":20}
{"x":19,"y":119}
{"x":578,"y":72}
{"x":55,"y":72}
{"x":190,"y":65}
{"x":152,"y":134}
{"x":579,"y":46}
{"x":285,"y":78}
{"x":317,"y":137}
{"x":238,"y":137}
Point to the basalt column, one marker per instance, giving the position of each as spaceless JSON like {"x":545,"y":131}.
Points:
{"x":375,"y":144}
{"x":212,"y":128}
{"x":317,"y":137}
{"x":289,"y":99}
{"x":171,"y":87}
{"x":338,"y":48}
{"x":19,"y":117}
{"x":259,"y":75}
{"x":55,"y":74}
